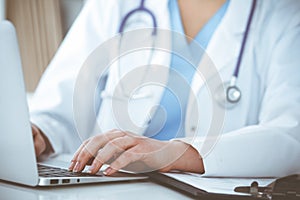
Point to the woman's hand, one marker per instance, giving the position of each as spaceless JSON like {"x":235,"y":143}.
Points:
{"x":136,"y":153}
{"x":39,"y":141}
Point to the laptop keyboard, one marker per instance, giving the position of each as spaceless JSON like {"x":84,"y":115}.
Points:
{"x":47,"y":171}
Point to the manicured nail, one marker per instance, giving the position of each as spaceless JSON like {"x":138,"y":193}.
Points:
{"x":77,"y":166}
{"x":107,"y":171}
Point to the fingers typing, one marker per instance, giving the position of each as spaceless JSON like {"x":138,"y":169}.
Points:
{"x":90,"y":148}
{"x":111,"y":149}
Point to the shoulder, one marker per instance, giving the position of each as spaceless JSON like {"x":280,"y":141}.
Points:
{"x":275,"y":19}
{"x":276,"y":34}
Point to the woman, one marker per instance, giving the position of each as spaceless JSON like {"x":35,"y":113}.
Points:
{"x":260,"y":135}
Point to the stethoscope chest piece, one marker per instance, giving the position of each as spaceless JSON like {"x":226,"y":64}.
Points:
{"x":227,"y":95}
{"x":233,"y":94}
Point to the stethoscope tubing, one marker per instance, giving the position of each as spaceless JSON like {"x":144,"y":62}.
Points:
{"x":240,"y":58}
{"x":233,"y":81}
{"x":233,"y":92}
{"x":141,"y":8}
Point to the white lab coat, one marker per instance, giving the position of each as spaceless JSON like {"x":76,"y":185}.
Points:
{"x":260,"y":136}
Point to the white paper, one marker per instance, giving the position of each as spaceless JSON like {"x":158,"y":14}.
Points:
{"x":218,"y":185}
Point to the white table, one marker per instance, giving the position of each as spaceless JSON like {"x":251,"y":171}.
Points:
{"x":142,"y":190}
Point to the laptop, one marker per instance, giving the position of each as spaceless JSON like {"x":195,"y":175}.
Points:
{"x":18,"y":161}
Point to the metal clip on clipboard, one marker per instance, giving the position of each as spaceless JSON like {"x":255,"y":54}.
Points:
{"x":283,"y":188}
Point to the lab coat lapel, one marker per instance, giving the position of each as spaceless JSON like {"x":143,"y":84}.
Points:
{"x":139,"y":111}
{"x":222,"y":53}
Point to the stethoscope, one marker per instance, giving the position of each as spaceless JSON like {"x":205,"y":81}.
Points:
{"x":233,"y":94}
{"x":135,"y":95}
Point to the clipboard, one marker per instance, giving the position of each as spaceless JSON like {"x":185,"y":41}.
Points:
{"x":282,"y":188}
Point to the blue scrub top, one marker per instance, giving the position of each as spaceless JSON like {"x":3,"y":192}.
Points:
{"x":168,"y":121}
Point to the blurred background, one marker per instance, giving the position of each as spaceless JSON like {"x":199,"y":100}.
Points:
{"x":41,"y":26}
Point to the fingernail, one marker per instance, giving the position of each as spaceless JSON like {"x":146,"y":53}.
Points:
{"x":71,"y":166}
{"x":77,"y":166}
{"x":91,"y":168}
{"x":107,"y":171}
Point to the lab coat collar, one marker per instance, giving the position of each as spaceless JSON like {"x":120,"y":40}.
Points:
{"x":225,"y":44}
{"x":222,"y":51}
{"x":224,"y":47}
{"x":237,"y":15}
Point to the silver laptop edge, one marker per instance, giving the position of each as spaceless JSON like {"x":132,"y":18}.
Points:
{"x":18,"y":161}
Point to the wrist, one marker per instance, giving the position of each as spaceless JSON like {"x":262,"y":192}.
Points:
{"x":188,"y":158}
